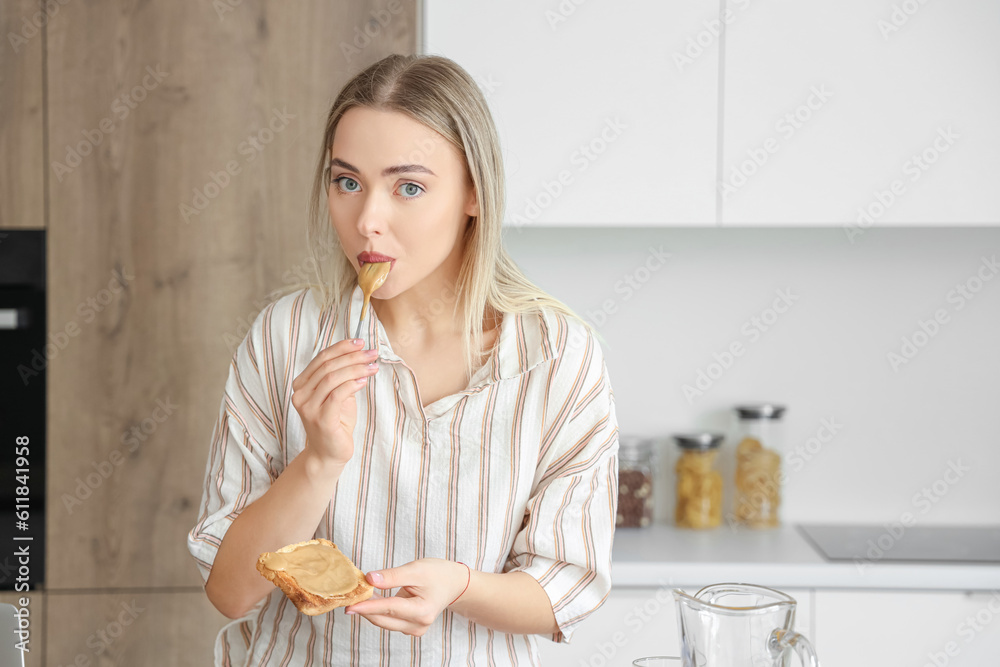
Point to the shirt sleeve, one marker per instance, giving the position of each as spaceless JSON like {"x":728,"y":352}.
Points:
{"x":568,"y":528}
{"x":244,"y":456}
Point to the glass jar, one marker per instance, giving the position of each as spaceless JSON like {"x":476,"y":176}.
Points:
{"x":699,"y":484}
{"x":635,"y":482}
{"x":758,"y":465}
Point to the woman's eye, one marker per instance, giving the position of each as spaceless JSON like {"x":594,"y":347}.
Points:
{"x":347,"y":184}
{"x":411,"y":190}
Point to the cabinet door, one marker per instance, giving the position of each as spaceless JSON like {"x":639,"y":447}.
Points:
{"x":21,"y":94}
{"x":632,"y":623}
{"x":861,"y":113}
{"x":607,"y":112}
{"x":637,"y":622}
{"x":910,"y":628}
{"x":137,"y":626}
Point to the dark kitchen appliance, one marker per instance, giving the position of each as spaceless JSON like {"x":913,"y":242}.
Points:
{"x":23,"y":365}
{"x":895,"y":542}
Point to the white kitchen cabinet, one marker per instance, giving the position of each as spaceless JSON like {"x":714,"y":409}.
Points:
{"x":861,"y":113}
{"x":637,"y":622}
{"x":866,"y":628}
{"x":607,"y":112}
{"x":854,"y":114}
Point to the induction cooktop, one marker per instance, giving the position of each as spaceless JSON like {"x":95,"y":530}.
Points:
{"x":896,"y":542}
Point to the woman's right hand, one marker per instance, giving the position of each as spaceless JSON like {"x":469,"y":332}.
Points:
{"x":323,"y":395}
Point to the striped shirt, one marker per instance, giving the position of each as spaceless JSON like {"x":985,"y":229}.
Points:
{"x":518,"y":472}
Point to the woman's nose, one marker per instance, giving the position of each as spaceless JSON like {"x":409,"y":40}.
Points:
{"x":371,"y":220}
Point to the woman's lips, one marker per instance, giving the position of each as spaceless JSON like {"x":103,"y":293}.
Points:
{"x":372,"y":257}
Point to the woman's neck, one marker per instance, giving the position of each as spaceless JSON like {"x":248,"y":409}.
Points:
{"x":426,"y":311}
{"x":421,"y":312}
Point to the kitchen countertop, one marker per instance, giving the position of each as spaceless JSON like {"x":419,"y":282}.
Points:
{"x":662,"y":555}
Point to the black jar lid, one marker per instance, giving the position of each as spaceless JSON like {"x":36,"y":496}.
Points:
{"x":760,"y":411}
{"x":699,"y":441}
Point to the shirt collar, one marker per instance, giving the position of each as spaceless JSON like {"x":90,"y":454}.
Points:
{"x":525,"y":341}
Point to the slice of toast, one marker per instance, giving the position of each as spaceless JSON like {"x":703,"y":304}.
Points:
{"x":309,"y":602}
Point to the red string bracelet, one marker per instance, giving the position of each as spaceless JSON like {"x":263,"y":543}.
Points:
{"x":466,"y":584}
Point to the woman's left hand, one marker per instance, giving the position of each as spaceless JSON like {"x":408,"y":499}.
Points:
{"x":426,"y":587}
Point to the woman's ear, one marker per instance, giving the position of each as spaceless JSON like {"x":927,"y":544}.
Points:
{"x":472,"y":201}
{"x":472,"y":204}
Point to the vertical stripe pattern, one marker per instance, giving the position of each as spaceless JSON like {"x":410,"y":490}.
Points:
{"x":518,"y":472}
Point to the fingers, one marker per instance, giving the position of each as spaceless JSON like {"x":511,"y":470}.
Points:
{"x":356,"y":361}
{"x":392,"y":606}
{"x":347,"y":351}
{"x":334,"y":386}
{"x":410,"y":574}
{"x":396,"y":624}
{"x":330,"y":375}
{"x":423,"y":594}
{"x":400,"y":614}
{"x":337,"y":349}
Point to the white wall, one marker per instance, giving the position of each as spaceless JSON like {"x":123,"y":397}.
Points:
{"x":825,"y":358}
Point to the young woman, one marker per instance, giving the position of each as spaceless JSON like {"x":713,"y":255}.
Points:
{"x":462,"y":452}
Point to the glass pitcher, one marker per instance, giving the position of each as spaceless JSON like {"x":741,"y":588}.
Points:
{"x":739,"y":625}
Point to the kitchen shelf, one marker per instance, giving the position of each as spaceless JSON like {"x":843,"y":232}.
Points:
{"x":663,"y":555}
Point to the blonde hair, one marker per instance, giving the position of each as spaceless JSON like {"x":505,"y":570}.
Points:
{"x":440,"y":94}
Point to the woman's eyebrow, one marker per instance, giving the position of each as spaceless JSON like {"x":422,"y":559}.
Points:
{"x":388,"y":171}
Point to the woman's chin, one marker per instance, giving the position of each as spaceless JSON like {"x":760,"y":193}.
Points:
{"x":386,"y":292}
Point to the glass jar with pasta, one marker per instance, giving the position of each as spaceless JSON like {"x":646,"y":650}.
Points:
{"x":757,"y":500}
{"x":699,"y":484}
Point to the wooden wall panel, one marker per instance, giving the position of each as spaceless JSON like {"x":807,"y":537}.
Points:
{"x":21,"y":155}
{"x":148,"y":628}
{"x":168,"y":93}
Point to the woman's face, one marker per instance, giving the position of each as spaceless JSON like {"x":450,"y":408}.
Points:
{"x":401,"y":190}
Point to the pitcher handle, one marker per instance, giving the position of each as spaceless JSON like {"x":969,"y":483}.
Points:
{"x":783,"y":640}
